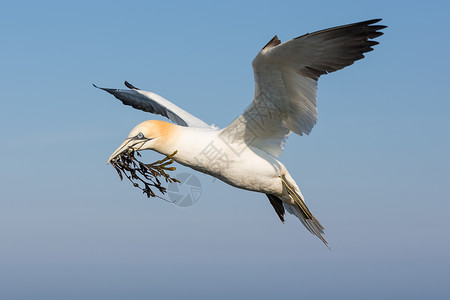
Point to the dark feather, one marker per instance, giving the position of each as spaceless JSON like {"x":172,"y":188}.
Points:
{"x":137,"y":100}
{"x":272,"y":43}
{"x":277,"y":205}
{"x":130,"y":86}
{"x":338,"y":47}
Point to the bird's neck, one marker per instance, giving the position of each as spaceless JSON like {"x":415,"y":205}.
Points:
{"x":169,"y":138}
{"x":189,"y":143}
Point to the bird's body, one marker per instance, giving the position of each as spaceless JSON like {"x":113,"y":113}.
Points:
{"x":203,"y":150}
{"x":244,"y":154}
{"x":251,"y":169}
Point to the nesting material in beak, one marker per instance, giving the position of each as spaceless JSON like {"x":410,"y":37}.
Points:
{"x":127,"y":165}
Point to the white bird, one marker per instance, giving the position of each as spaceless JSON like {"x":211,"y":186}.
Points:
{"x":244,"y":154}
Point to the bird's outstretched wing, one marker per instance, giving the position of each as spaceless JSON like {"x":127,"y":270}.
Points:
{"x":286,"y":77}
{"x":155,"y":104}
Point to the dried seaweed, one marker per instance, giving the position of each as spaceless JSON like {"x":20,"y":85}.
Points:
{"x":128,"y":166}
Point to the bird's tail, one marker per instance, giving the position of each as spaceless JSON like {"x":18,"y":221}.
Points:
{"x":301,"y":211}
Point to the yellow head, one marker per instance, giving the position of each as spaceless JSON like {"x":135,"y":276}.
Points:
{"x":149,"y":135}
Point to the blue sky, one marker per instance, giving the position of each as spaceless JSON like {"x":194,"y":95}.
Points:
{"x":375,"y":169}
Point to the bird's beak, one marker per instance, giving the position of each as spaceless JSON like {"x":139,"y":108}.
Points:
{"x":132,"y":143}
{"x":122,"y":148}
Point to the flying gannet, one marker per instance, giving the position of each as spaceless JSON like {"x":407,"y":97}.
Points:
{"x":244,"y":154}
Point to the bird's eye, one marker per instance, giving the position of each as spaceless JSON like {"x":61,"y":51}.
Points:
{"x":140,"y":135}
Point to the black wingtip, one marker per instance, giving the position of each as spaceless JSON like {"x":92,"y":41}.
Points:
{"x":376,"y":27}
{"x":111,"y":91}
{"x":130,"y":86}
{"x":374,"y":20}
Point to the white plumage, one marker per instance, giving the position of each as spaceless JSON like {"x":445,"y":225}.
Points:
{"x":244,"y":154}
